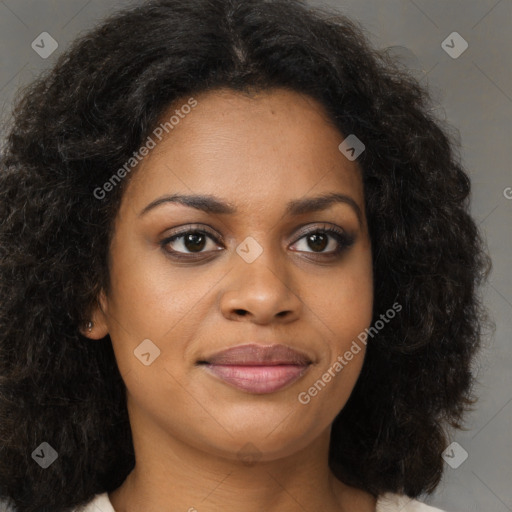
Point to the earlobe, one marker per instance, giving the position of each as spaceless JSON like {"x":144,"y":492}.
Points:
{"x":96,"y":327}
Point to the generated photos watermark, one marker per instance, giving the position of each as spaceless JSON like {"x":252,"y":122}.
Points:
{"x":158,"y":133}
{"x":304,"y":397}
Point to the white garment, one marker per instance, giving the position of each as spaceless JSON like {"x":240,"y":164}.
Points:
{"x":395,"y":503}
{"x":386,"y":503}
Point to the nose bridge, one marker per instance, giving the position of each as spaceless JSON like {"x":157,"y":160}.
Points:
{"x":260,"y":283}
{"x":259,"y":265}
{"x":263,"y":270}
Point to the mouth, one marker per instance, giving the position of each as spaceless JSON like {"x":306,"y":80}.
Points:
{"x":258,"y":369}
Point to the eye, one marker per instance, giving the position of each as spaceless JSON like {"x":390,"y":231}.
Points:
{"x":190,"y":241}
{"x":325,"y":241}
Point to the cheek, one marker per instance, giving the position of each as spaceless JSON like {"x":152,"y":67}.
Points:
{"x":148,"y":296}
{"x":343,"y":311}
{"x":351,"y":310}
{"x":345,"y":304}
{"x":153,"y":301}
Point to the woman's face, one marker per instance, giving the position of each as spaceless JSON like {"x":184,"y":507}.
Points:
{"x":256,"y":274}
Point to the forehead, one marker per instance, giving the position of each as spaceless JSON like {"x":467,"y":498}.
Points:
{"x":251,"y":149}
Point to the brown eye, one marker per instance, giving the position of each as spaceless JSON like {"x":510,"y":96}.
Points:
{"x":318,"y":241}
{"x":329,"y":241}
{"x":194,"y":242}
{"x":189,"y":242}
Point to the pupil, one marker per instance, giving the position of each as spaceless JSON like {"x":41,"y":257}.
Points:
{"x":191,"y":242}
{"x":315,"y":239}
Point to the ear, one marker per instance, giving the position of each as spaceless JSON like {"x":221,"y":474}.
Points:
{"x":99,"y":328}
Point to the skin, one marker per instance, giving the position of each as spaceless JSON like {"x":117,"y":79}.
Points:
{"x":256,"y":152}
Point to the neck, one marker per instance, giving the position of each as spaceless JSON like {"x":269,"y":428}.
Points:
{"x":174,"y":476}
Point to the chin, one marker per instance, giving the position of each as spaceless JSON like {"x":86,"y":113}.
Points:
{"x":259,"y":438}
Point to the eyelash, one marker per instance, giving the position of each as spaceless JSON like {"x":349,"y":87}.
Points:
{"x":344,"y":242}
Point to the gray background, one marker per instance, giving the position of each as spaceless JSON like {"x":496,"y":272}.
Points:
{"x":474,"y":95}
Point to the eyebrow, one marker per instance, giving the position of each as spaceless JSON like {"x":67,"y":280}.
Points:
{"x":213,"y":205}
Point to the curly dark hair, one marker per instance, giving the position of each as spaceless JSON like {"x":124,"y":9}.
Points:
{"x":86,"y":116}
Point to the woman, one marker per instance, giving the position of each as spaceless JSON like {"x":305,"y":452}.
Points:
{"x":238,"y":270}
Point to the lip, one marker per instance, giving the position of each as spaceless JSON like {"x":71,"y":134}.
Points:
{"x":257,"y":368}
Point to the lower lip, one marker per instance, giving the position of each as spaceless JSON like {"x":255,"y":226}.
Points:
{"x":258,"y":379}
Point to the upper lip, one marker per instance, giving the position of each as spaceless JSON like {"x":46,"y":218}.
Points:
{"x":258,"y":355}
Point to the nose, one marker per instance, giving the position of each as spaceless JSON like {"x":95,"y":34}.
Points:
{"x":260,"y":292}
